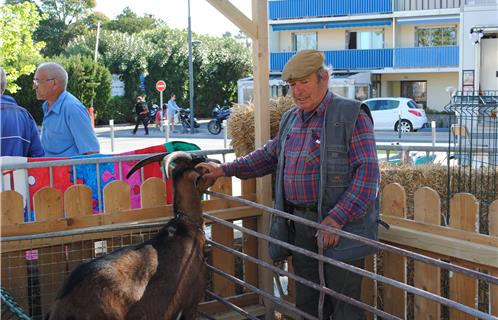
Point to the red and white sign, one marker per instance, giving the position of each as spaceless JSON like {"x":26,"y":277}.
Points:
{"x":160,"y":86}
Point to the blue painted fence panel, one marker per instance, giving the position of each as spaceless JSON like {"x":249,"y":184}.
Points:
{"x":291,"y":9}
{"x":426,"y":57}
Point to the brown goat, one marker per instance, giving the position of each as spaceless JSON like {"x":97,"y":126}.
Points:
{"x":163,"y":278}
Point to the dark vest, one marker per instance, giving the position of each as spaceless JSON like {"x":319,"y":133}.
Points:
{"x":335,"y":178}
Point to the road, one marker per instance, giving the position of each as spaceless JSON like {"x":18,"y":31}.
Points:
{"x":125,"y":141}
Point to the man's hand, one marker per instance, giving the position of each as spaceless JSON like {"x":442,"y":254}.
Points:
{"x":210,"y":170}
{"x":328,"y":239}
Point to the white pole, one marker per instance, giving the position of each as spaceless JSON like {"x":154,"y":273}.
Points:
{"x":111,"y":125}
{"x":96,"y":53}
{"x":433,"y":126}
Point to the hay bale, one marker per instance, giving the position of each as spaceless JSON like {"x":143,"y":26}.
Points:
{"x":241,"y":123}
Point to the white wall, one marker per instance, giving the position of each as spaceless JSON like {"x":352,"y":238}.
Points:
{"x":437,"y":97}
{"x":489,"y":64}
{"x":473,"y":16}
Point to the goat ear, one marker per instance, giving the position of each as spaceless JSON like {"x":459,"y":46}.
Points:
{"x":198,"y":159}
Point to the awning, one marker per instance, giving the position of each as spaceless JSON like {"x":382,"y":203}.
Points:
{"x":329,"y":25}
{"x":344,"y":79}
{"x":430,"y":20}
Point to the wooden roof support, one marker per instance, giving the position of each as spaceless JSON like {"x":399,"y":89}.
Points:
{"x":257,"y":29}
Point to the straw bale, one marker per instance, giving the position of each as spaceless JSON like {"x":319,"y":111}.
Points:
{"x":241,"y":123}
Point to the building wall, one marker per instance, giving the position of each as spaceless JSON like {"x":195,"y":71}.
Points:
{"x":489,"y":64}
{"x":328,"y":39}
{"x":437,"y":83}
{"x":472,"y":16}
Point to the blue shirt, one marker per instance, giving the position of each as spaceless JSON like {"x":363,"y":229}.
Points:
{"x":67,"y":130}
{"x":172,"y":107}
{"x":19,"y":133}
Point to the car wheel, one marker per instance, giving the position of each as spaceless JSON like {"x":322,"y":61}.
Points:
{"x":406,"y":126}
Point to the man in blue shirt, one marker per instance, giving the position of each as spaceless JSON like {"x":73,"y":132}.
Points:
{"x":172,"y":109}
{"x":66,"y":130}
{"x":19,"y":133}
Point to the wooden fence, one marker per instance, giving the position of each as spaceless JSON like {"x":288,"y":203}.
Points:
{"x":55,"y":257}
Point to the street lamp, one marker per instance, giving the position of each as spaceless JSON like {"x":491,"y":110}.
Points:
{"x":190,"y":72}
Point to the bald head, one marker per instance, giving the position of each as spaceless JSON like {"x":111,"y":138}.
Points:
{"x":3,"y":81}
{"x":54,"y":71}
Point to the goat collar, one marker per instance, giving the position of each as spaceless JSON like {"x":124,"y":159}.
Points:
{"x":183,"y":217}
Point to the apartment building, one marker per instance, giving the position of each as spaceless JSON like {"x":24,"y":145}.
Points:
{"x":421,"y":49}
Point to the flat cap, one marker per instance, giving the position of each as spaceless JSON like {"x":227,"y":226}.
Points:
{"x":302,"y":64}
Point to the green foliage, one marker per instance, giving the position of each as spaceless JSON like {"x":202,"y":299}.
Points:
{"x":26,"y":96}
{"x":121,"y":53}
{"x":129,"y":22}
{"x":217,"y":64}
{"x":120,"y":109}
{"x":65,"y":20}
{"x":17,"y":24}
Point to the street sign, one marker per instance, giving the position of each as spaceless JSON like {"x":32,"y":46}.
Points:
{"x":160,"y":86}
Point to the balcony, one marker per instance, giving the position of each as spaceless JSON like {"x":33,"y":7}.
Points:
{"x":425,"y":57}
{"x":415,"y":5}
{"x":295,"y":9}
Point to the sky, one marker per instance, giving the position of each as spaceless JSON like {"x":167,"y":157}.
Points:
{"x":205,"y":18}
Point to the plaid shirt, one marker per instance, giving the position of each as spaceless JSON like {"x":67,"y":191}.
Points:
{"x":302,"y":164}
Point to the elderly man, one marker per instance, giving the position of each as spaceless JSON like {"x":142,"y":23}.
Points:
{"x":19,"y":133}
{"x":326,"y":167}
{"x":66,"y":130}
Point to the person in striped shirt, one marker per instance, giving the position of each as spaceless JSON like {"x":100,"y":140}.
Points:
{"x":326,"y":170}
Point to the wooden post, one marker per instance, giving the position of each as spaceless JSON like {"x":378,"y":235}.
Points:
{"x":394,"y":204}
{"x":369,"y":286}
{"x":493,"y":231}
{"x":50,"y":266}
{"x":250,"y":243}
{"x":153,"y":193}
{"x":464,"y":210}
{"x":13,"y":265}
{"x":427,"y":204}
{"x":116,"y":196}
{"x":224,"y":235}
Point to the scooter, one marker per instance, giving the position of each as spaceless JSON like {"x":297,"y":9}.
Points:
{"x":219,"y":114}
{"x":184,"y":117}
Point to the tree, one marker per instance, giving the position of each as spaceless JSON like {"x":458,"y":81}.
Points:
{"x":129,"y":22}
{"x":65,"y":21}
{"x":19,"y":52}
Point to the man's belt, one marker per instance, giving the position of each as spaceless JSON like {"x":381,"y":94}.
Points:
{"x":308,"y":207}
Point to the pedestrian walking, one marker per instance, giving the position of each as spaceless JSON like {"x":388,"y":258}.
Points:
{"x":142,"y":112}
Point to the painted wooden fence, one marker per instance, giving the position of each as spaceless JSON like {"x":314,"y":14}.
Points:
{"x":55,"y":257}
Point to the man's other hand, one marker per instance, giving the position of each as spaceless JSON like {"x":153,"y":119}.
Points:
{"x":328,"y":239}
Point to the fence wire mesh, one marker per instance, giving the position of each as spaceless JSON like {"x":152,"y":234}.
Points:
{"x":473,"y":146}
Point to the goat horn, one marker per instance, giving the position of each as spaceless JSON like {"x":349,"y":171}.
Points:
{"x":172,"y":157}
{"x":156,"y":158}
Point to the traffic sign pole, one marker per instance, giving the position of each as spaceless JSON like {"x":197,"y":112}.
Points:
{"x":161,"y":86}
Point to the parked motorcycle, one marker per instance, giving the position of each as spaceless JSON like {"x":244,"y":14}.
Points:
{"x":154,"y":111}
{"x":219,"y":114}
{"x":184,"y":117}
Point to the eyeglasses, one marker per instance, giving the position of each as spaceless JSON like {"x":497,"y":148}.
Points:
{"x":37,"y":81}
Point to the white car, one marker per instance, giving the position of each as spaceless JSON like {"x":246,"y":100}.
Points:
{"x":387,"y":111}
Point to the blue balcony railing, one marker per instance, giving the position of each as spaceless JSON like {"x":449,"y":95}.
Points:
{"x":293,"y":9}
{"x":425,"y":57}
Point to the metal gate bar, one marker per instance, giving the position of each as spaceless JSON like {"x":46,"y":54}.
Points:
{"x":306,"y":282}
{"x":394,"y":283}
{"x":377,"y":244}
{"x":231,"y":305}
{"x":265,"y":294}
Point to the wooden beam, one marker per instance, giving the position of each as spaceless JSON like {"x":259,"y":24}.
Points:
{"x":474,"y":252}
{"x":238,"y":18}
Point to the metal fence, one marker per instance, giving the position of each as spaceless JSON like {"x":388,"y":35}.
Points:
{"x":473,"y":161}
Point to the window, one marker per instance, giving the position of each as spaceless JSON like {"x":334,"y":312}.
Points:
{"x":416,"y":90}
{"x":387,"y":104}
{"x":435,"y":36}
{"x":365,"y":39}
{"x":304,"y":40}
